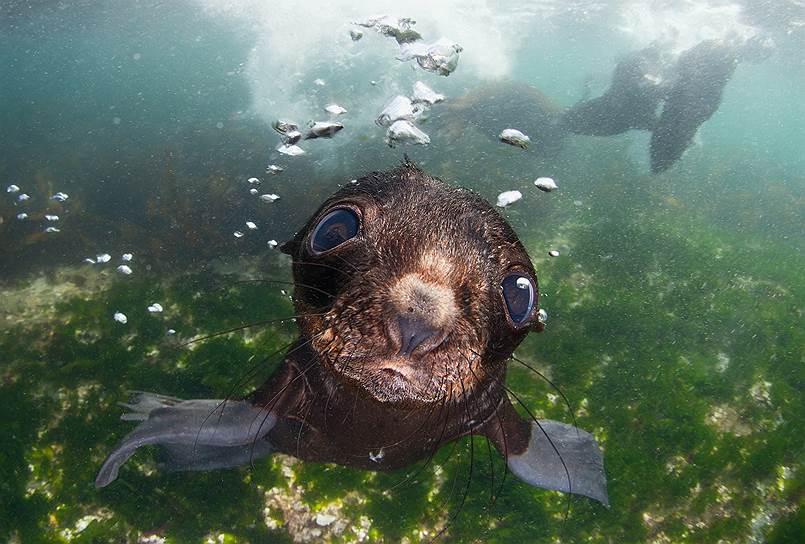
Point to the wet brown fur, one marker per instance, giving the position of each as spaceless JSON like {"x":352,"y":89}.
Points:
{"x":347,"y":393}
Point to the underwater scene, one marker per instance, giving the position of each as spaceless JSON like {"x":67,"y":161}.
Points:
{"x":165,"y":170}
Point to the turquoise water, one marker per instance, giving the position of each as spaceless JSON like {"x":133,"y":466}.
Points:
{"x":675,"y":305}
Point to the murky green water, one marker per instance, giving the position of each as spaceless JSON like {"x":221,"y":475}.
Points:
{"x":675,"y":304}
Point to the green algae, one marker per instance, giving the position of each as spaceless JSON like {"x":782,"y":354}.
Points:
{"x":676,"y":341}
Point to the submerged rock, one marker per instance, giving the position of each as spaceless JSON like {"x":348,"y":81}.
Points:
{"x":487,"y":108}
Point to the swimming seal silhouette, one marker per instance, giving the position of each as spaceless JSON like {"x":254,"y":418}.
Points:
{"x":413,"y":295}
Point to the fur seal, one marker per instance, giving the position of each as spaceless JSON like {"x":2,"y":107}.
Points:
{"x":687,"y":92}
{"x":413,"y":295}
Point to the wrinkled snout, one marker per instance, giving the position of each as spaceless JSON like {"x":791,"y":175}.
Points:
{"x":422,"y":314}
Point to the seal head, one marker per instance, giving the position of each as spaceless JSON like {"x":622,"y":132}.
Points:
{"x":406,"y":297}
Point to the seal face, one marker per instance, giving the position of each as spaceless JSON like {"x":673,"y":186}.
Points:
{"x":412,"y":296}
{"x":409,"y":304}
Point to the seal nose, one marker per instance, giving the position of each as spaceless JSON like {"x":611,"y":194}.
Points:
{"x":413,"y":333}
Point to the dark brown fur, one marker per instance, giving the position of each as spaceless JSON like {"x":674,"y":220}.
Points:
{"x":411,"y":224}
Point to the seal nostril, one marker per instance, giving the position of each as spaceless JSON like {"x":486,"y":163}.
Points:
{"x":413,"y":332}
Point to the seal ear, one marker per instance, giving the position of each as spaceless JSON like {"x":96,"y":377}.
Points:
{"x":549,"y":454}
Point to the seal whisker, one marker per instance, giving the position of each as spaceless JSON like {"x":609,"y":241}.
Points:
{"x":246,"y":326}
{"x":493,"y":497}
{"x":444,"y":404}
{"x":245,"y":376}
{"x":284,"y":282}
{"x":323,"y":265}
{"x":549,"y":382}
{"x":561,"y":459}
{"x":469,"y":475}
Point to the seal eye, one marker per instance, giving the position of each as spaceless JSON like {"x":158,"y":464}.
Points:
{"x":334,"y":229}
{"x":518,"y":293}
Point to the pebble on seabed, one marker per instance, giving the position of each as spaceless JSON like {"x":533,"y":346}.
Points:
{"x":545,"y":184}
{"x":126,"y":257}
{"x":237,"y":234}
{"x":553,"y":253}
{"x":23,"y":197}
{"x":170,"y":332}
{"x":272,"y":169}
{"x":272,"y":244}
{"x":22,"y":216}
{"x":253,"y":191}
{"x":335,"y":109}
{"x":60,"y":197}
{"x":120,"y":317}
{"x":251,"y":225}
{"x":253,"y":181}
{"x":103,"y":258}
{"x":52,"y":229}
{"x":513,"y":136}
{"x":13,"y":188}
{"x":269,"y":197}
{"x":155,"y":308}
{"x":323,"y":520}
{"x":49,"y":217}
{"x":124,"y":269}
{"x":508,"y":197}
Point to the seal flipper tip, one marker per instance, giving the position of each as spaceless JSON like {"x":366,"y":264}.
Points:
{"x":198,"y":434}
{"x":550,"y":454}
{"x":576,"y":450}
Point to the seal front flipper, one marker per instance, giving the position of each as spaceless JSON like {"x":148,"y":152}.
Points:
{"x":701,"y":75}
{"x":197,"y":434}
{"x":571,"y":461}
